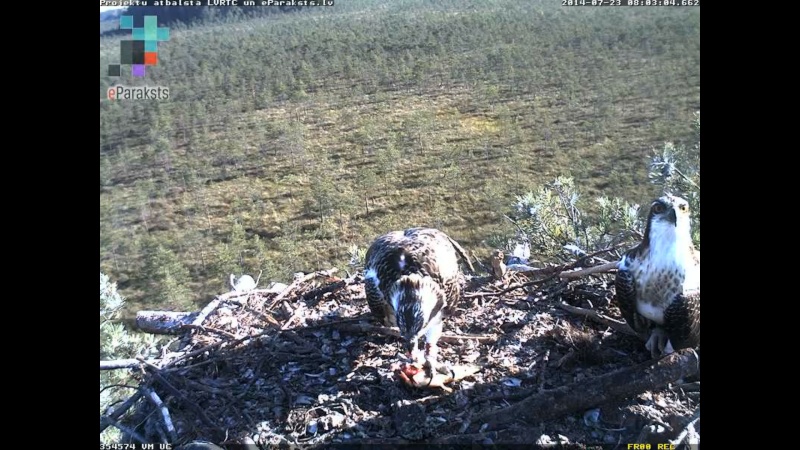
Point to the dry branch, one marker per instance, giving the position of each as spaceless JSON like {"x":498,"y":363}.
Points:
{"x":212,"y":329}
{"x":300,"y":281}
{"x":622,"y":327}
{"x":156,"y":400}
{"x":178,"y":394}
{"x":603,"y":268}
{"x":119,"y":364}
{"x":333,"y":287}
{"x":583,"y":395}
{"x":689,"y":433}
{"x":210,"y":307}
{"x":387,"y":331}
{"x":557,"y":271}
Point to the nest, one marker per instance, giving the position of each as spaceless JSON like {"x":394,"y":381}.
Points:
{"x":306,"y":365}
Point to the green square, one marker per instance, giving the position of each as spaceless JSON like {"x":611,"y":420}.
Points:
{"x":150,"y":28}
{"x":138,"y":34}
{"x":163,"y":34}
{"x":126,"y":22}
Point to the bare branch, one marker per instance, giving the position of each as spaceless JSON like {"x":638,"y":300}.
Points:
{"x":119,"y":364}
{"x":585,"y":394}
{"x":603,"y":268}
{"x":387,"y":331}
{"x":622,"y":327}
{"x":156,"y":400}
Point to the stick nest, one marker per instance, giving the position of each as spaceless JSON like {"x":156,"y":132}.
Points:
{"x":308,"y":366}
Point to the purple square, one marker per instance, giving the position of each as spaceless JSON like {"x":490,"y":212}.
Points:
{"x":137,"y":70}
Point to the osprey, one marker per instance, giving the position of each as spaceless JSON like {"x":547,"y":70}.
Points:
{"x":411,"y":277}
{"x":658,"y":282}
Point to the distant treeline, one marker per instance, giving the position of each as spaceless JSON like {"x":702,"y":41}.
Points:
{"x":169,"y":15}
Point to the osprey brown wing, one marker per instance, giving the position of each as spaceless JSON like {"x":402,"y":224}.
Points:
{"x":682,"y":320}
{"x":625,"y":286}
{"x":428,"y":247}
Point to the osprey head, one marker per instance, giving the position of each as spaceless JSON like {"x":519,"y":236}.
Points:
{"x":416,"y":300}
{"x":669,"y":216}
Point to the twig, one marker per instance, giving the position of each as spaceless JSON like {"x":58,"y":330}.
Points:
{"x":556,"y":271}
{"x":520,"y":394}
{"x":215,"y":330}
{"x":238,"y":341}
{"x":289,"y":321}
{"x":207,"y":388}
{"x":259,"y":277}
{"x":194,"y":353}
{"x":512,"y":288}
{"x":296,"y":283}
{"x":552,"y":403}
{"x":111,"y":386}
{"x":109,"y":418}
{"x":266,"y":316}
{"x":387,"y":331}
{"x":689,"y":431}
{"x":603,"y":268}
{"x":156,"y":400}
{"x":688,"y":180}
{"x":174,"y":391}
{"x":332,"y":287}
{"x":212,"y":305}
{"x":519,"y":228}
{"x":622,"y":327}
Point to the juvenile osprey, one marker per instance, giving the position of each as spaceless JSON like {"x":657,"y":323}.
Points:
{"x":411,"y":276}
{"x":658,"y":282}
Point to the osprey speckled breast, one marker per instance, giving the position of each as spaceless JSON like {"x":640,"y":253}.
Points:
{"x":658,"y":281}
{"x":411,"y":276}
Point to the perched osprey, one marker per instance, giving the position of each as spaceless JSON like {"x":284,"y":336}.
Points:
{"x":411,"y":276}
{"x":658,"y":282}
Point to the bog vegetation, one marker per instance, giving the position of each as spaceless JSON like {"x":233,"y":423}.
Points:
{"x":292,"y":140}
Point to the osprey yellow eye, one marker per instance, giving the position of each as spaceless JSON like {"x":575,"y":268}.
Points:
{"x":684,"y":208}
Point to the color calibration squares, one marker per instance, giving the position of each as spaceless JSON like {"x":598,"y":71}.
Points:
{"x":142,"y":50}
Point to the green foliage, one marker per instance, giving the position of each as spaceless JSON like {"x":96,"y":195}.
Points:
{"x":553,"y":217}
{"x":167,"y":274}
{"x":677,"y":170}
{"x":117,"y":343}
{"x":356,"y":256}
{"x":321,"y":129}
